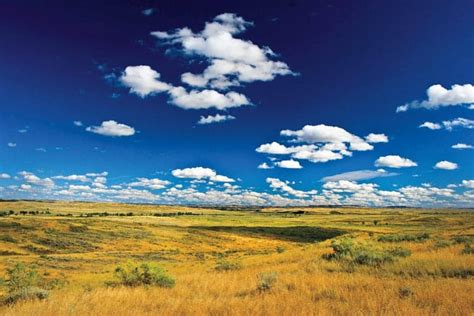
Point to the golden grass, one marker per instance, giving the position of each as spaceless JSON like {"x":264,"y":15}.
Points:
{"x":432,"y":281}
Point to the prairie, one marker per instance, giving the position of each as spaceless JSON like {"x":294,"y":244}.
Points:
{"x":268,"y":261}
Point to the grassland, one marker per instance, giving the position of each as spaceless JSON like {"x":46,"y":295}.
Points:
{"x":343,"y":261}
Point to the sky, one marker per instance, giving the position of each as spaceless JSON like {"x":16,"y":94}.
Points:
{"x":238,"y":103}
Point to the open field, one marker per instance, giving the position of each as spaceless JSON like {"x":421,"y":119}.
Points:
{"x":273,"y":261}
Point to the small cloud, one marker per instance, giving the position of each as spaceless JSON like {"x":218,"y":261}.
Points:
{"x":215,"y":119}
{"x":4,"y":176}
{"x":446,"y":165}
{"x":112,"y":128}
{"x":430,"y":125}
{"x":40,"y":149}
{"x":462,"y":146}
{"x":77,"y":123}
{"x":11,"y":145}
{"x":376,"y":138}
{"x":148,"y":12}
{"x":289,"y":164}
{"x":394,"y":161}
{"x":23,"y":130}
{"x":264,"y":166}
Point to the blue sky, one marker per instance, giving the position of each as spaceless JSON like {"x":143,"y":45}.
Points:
{"x":295,"y":102}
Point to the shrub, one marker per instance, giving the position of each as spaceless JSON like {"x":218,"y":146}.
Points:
{"x":225,"y":265}
{"x":23,"y":283}
{"x":441,"y":244}
{"x":404,"y":237}
{"x":21,"y":277}
{"x":405,"y":292}
{"x":400,"y":252}
{"x":463,"y":239}
{"x":266,"y":281}
{"x":148,"y":274}
{"x":363,"y":254}
{"x":27,"y":293}
{"x":468,"y":250}
{"x":280,"y":249}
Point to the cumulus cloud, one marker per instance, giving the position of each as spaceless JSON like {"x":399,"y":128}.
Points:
{"x":327,"y":134}
{"x":376,"y":138}
{"x":468,"y":184}
{"x":148,"y":12}
{"x":264,"y":165}
{"x":112,"y":128}
{"x":359,"y":175}
{"x":77,"y":123}
{"x":289,"y":164}
{"x":231,"y":62}
{"x":11,"y":145}
{"x":154,"y":184}
{"x":32,"y":179}
{"x":279,"y":185}
{"x":215,"y":119}
{"x":439,"y":96}
{"x":430,"y":125}
{"x":394,"y":161}
{"x":462,"y":146}
{"x":446,"y":165}
{"x":143,"y":81}
{"x":459,"y":122}
{"x":4,"y":176}
{"x":200,"y":173}
{"x":323,"y":143}
{"x":73,"y":177}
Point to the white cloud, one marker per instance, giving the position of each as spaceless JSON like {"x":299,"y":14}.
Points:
{"x":200,"y":173}
{"x":446,"y":165}
{"x":376,"y":138}
{"x":4,"y":176}
{"x":215,"y":119}
{"x":274,"y":148}
{"x":41,"y":149}
{"x":327,"y":134}
{"x":462,"y":146}
{"x":73,"y":177}
{"x":323,"y":143}
{"x":289,"y":164}
{"x":359,"y":175}
{"x":431,"y":125}
{"x":459,"y":122}
{"x":450,"y":125}
{"x":143,"y":81}
{"x":468,"y":184}
{"x":277,"y":184}
{"x":154,"y":184}
{"x":264,"y":165}
{"x":438,"y":96}
{"x":11,"y":145}
{"x":394,"y":161}
{"x":231,"y":60}
{"x":112,"y":128}
{"x":148,"y":12}
{"x":31,"y":178}
{"x":77,"y":123}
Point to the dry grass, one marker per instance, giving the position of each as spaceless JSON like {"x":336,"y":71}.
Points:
{"x":432,"y":281}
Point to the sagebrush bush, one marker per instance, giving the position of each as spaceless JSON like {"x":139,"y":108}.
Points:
{"x":404,"y":237}
{"x":22,"y":284}
{"x":363,"y":254}
{"x":147,"y":274}
{"x":468,"y":250}
{"x":266,"y":280}
{"x":225,"y":265}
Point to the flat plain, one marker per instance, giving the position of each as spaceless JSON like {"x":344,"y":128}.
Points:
{"x":240,"y":261}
